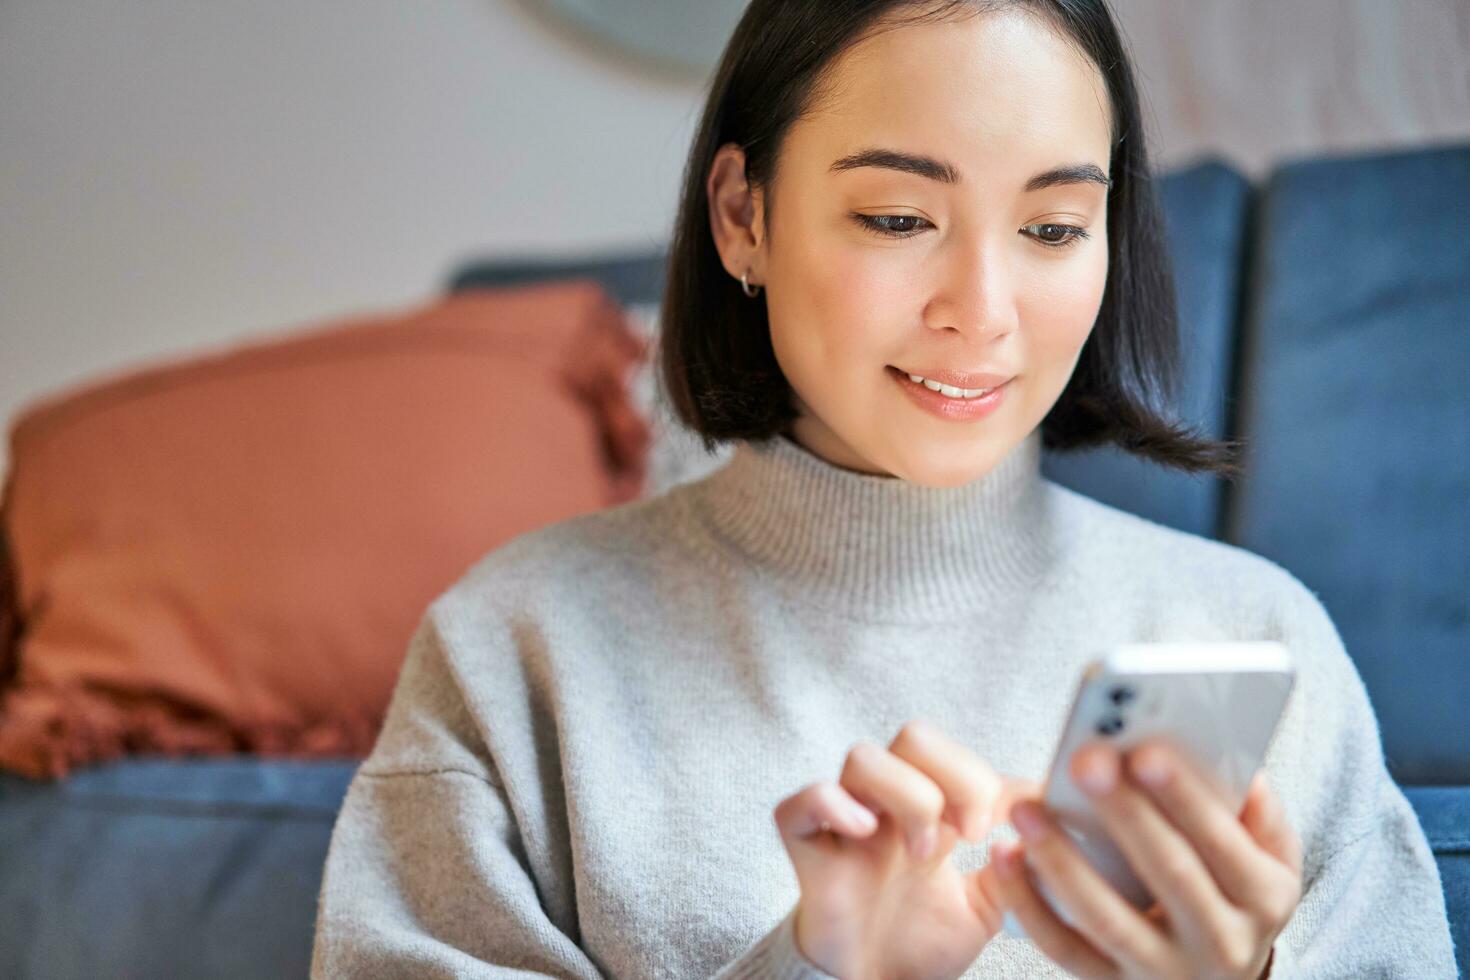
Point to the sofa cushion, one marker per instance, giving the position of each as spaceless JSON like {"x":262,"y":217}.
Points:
{"x":1358,"y":419}
{"x":1444,"y":813}
{"x":676,"y":453}
{"x":228,"y":553}
{"x":160,"y":868}
{"x":629,"y":277}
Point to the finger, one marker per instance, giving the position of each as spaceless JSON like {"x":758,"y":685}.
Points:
{"x":819,"y":810}
{"x":969,"y":785}
{"x":885,"y":783}
{"x":1095,"y":908}
{"x":1247,"y":875}
{"x":982,"y":889}
{"x":1013,"y":791}
{"x":1264,"y":818}
{"x":1158,"y":852}
{"x":1014,"y":889}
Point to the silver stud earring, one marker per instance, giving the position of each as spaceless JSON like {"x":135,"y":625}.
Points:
{"x":747,"y":287}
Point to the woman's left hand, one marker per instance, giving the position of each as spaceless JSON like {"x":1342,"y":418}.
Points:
{"x":1225,"y":885}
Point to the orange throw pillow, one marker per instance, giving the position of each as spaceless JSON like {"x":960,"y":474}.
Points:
{"x":229,"y":553}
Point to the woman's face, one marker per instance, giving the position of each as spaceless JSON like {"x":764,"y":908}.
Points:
{"x":872,"y":272}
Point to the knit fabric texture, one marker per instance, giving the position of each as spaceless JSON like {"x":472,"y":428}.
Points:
{"x":591,"y":728}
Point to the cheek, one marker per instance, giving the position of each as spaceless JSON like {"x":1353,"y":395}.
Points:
{"x":1059,"y":315}
{"x":830,"y":332}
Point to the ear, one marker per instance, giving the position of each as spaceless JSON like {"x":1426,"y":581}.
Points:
{"x":737,"y":215}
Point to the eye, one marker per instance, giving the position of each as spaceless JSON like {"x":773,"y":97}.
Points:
{"x":1073,"y":234}
{"x":876,"y":223}
{"x":907,"y":226}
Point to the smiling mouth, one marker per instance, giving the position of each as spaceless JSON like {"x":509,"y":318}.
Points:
{"x":949,"y":391}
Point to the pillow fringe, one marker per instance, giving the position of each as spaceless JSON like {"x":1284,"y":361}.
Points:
{"x":47,"y":734}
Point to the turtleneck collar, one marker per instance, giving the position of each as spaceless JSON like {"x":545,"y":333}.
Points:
{"x":881,"y":547}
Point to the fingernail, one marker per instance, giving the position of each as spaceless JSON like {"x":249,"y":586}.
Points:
{"x":864,"y":817}
{"x":1098,"y":773}
{"x":1004,"y":856}
{"x":923,"y":845}
{"x":1151,"y":769}
{"x":1028,"y":821}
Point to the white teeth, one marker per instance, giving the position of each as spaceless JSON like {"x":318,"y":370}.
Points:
{"x":948,"y":390}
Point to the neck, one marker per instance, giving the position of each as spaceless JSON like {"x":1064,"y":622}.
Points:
{"x":881,"y":547}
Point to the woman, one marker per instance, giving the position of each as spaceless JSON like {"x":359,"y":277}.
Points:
{"x":755,"y":726}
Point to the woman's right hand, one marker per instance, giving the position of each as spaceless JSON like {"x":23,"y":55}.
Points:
{"x":874,"y":903}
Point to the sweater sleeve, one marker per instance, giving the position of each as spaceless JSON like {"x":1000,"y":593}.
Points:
{"x":1372,"y":902}
{"x":427,"y":873}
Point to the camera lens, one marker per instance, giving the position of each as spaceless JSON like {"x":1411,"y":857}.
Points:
{"x":1111,"y":725}
{"x":1121,"y":694}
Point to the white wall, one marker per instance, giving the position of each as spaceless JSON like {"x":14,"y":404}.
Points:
{"x":176,"y":175}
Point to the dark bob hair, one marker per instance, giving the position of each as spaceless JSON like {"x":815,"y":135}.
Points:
{"x":716,"y":361}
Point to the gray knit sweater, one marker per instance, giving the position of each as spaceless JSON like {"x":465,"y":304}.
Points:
{"x":592,"y":726}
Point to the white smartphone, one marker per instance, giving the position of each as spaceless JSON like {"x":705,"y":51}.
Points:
{"x":1217,"y":702}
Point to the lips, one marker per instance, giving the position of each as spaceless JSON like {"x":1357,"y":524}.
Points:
{"x":959,"y":379}
{"x":946,"y":407}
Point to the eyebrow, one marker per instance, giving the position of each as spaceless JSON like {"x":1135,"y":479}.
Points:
{"x":1072,"y":173}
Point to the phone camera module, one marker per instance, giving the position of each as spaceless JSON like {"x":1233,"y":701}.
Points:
{"x":1111,"y":725}
{"x":1122,"y":694}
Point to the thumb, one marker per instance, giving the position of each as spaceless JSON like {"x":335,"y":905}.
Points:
{"x":1265,"y":818}
{"x":983,"y":893}
{"x":1013,"y":790}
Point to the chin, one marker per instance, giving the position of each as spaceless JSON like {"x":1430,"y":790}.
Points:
{"x":950,"y":478}
{"x":937,"y":476}
{"x":943,"y":473}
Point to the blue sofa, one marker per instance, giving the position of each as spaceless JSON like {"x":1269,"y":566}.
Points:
{"x":1324,"y":313}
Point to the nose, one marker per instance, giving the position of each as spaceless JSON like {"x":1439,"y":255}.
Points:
{"x":977,"y":294}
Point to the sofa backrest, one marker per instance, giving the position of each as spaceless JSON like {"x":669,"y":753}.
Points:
{"x":1356,"y":347}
